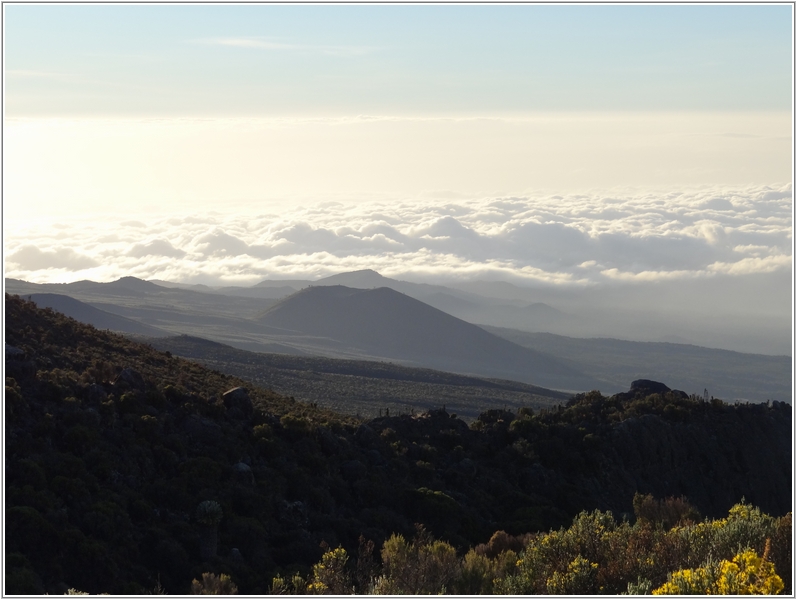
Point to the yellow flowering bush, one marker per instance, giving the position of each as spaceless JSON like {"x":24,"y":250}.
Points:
{"x":293,"y":585}
{"x":579,"y":578}
{"x":598,"y":555}
{"x":558,"y":560}
{"x":329,"y":574}
{"x":746,"y":574}
{"x":744,"y":527}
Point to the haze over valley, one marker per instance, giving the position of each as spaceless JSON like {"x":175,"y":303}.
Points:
{"x":364,"y":316}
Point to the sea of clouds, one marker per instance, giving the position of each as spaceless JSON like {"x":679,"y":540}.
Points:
{"x":576,"y":239}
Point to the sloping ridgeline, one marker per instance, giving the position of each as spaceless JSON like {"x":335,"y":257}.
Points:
{"x":127,"y":468}
{"x":392,"y":325}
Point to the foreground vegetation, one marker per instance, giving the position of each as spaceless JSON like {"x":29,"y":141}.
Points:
{"x":740,"y":554}
{"x":129,"y":471}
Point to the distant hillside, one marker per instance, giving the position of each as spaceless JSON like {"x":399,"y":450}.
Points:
{"x":725,"y":374}
{"x":93,"y":316}
{"x":175,"y":310}
{"x":279,"y":291}
{"x":606,"y":364}
{"x":370,"y":279}
{"x":364,"y":388}
{"x":393,"y":325}
{"x":257,"y":292}
{"x":365,"y":278}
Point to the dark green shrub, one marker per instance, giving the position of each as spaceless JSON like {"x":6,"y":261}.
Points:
{"x":295,"y":424}
{"x":666,"y":513}
{"x":28,"y":532}
{"x":20,"y":578}
{"x":79,"y":439}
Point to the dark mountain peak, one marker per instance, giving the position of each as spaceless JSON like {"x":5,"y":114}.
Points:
{"x":388,"y":324}
{"x":319,"y":292}
{"x":134,"y":283}
{"x":80,"y":283}
{"x":326,"y":300}
{"x":363,"y":277}
{"x":363,"y":272}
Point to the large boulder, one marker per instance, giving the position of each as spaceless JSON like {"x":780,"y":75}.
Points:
{"x":645,"y":387}
{"x":237,"y":402}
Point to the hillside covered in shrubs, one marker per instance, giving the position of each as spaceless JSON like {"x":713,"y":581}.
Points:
{"x":131,"y":471}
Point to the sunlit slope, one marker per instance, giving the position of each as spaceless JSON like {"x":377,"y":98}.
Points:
{"x":387,"y":323}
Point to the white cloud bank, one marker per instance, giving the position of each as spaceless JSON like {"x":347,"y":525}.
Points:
{"x":561,"y":239}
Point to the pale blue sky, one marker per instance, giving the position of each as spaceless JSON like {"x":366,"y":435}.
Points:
{"x":402,"y":60}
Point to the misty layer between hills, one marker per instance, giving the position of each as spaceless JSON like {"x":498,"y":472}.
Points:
{"x":336,"y":322}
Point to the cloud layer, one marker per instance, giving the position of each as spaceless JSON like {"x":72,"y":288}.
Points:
{"x":559,"y":239}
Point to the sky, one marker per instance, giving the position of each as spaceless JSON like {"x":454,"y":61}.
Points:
{"x":246,"y":60}
{"x":561,"y":144}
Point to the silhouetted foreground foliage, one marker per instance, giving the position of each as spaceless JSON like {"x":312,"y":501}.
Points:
{"x":130,"y":471}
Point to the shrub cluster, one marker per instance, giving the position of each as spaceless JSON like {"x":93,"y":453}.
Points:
{"x":595,"y":555}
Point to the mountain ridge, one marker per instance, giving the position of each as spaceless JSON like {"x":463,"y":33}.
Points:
{"x":229,"y":319}
{"x":86,"y":313}
{"x":401,"y":327}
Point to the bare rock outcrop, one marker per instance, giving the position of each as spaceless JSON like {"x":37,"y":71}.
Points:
{"x":238,"y":403}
